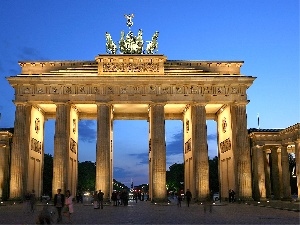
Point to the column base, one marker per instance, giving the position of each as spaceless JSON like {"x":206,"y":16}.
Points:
{"x":160,"y":201}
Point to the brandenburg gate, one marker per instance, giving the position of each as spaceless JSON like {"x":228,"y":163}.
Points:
{"x":136,"y":84}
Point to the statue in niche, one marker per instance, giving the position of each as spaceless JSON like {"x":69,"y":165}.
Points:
{"x":224,"y":125}
{"x":187,"y":125}
{"x":37,"y":125}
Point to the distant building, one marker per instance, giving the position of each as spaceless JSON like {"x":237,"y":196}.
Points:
{"x":270,"y":161}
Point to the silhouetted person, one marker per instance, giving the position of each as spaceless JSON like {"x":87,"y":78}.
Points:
{"x":59,"y":202}
{"x":188,"y":195}
{"x":100,"y":198}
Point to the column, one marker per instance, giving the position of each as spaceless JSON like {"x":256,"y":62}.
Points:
{"x":266,"y":158}
{"x":286,"y":187}
{"x":297,"y":155}
{"x":259,"y":173}
{"x":61,"y":148}
{"x":275,"y":173}
{"x":5,"y":148}
{"x":241,"y":151}
{"x":19,"y":152}
{"x":103,"y":154}
{"x":158,"y":152}
{"x":200,"y":152}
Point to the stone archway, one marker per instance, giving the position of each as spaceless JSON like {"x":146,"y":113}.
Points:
{"x":132,"y":86}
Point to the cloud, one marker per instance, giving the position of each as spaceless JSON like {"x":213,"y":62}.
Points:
{"x":142,"y":158}
{"x":211,"y":137}
{"x":87,"y":131}
{"x":175,"y":146}
{"x":29,"y":53}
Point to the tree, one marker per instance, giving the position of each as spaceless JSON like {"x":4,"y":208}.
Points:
{"x":47,"y":174}
{"x":213,"y":174}
{"x":86,"y":176}
{"x":175,"y":177}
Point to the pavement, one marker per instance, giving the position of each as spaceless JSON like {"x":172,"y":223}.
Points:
{"x":145,"y":212}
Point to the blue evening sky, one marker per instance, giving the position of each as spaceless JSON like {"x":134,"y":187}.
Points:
{"x":264,"y":34}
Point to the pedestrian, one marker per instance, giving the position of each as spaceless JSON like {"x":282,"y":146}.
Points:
{"x":26,"y":203}
{"x":44,"y":216}
{"x":59,"y":201}
{"x":32,"y":201}
{"x":229,"y":195}
{"x":100,"y":198}
{"x":135,"y":196}
{"x":124,"y":197}
{"x":118,"y":198}
{"x":114,"y":198}
{"x":188,"y":195}
{"x":68,"y":208}
{"x":232,"y":196}
{"x":179,"y":199}
{"x":209,"y":205}
{"x":96,"y":201}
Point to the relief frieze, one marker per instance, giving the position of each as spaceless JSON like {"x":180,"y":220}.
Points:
{"x":225,"y":145}
{"x":131,"y":67}
{"x":133,"y":89}
{"x":73,"y":146}
{"x":36,"y":145}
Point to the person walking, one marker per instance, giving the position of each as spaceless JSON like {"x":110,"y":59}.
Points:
{"x":100,"y":198}
{"x":32,"y":201}
{"x":59,"y":201}
{"x":96,"y":200}
{"x":188,"y":195}
{"x":68,"y":208}
{"x":179,"y":199}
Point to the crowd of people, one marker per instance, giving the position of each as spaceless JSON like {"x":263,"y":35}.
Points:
{"x":64,"y":202}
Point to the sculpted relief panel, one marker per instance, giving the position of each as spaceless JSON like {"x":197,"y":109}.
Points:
{"x":131,"y":67}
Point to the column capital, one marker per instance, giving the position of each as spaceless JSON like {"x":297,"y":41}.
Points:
{"x":284,"y":145}
{"x":198,"y":104}
{"x":297,"y":141}
{"x":240,"y":103}
{"x":157,"y":103}
{"x":62,"y":103}
{"x":103,"y":103}
{"x":21,"y":103}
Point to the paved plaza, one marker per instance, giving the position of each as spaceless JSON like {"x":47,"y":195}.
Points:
{"x":148,"y":213}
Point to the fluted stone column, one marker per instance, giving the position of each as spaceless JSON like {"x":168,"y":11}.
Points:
{"x":259,"y":173}
{"x":200,"y":151}
{"x":286,"y":187}
{"x":103,"y":154}
{"x":275,"y":173}
{"x":297,"y":155}
{"x":266,"y":158}
{"x":158,"y":148}
{"x":5,"y":156}
{"x":241,"y":150}
{"x":20,"y":151}
{"x":61,"y":147}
